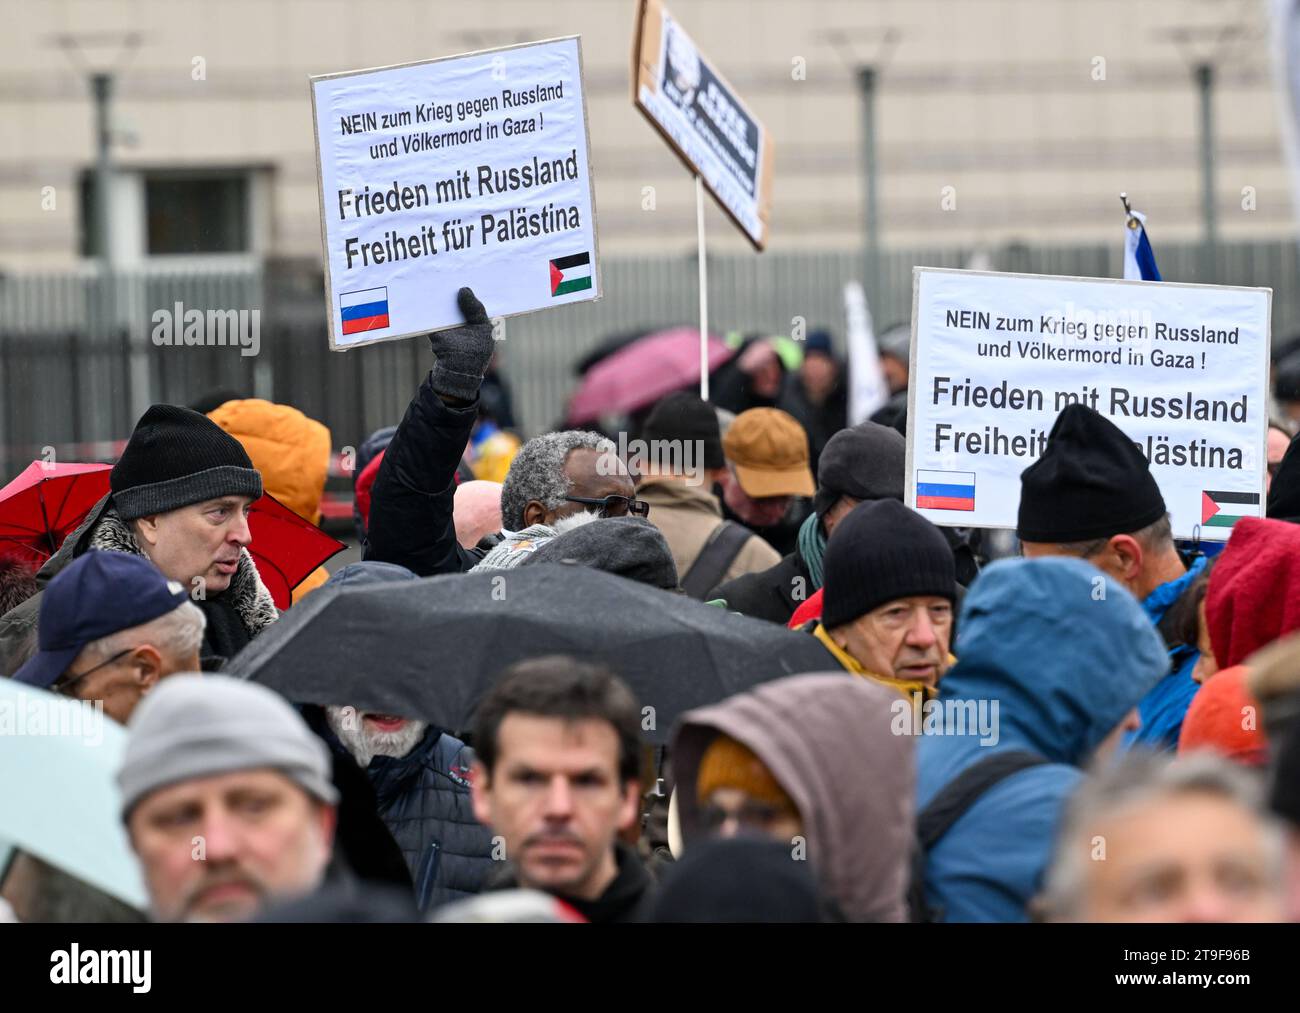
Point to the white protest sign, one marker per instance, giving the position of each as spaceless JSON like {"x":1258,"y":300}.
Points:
{"x":1181,"y":369}
{"x":703,"y":119}
{"x":468,"y":170}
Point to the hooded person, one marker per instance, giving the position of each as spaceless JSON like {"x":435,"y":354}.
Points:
{"x":418,"y":785}
{"x":741,"y":880}
{"x":1253,"y":597}
{"x":684,"y":459}
{"x":813,"y":762}
{"x":1091,"y":495}
{"x":1054,"y":657}
{"x":179,"y":495}
{"x":863,"y":462}
{"x":292,"y":454}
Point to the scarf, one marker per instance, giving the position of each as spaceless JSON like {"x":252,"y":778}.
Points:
{"x":811,"y":548}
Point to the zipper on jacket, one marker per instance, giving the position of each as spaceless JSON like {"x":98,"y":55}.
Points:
{"x":428,"y":874}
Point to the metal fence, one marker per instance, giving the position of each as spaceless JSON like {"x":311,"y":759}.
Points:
{"x":78,"y":362}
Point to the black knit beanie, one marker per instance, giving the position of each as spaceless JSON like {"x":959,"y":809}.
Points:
{"x":177,"y":457}
{"x":1091,"y":482}
{"x":879,"y":552}
{"x":685,"y":418}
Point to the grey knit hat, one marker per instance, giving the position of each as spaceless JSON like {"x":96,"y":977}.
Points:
{"x":177,"y":457}
{"x":193,"y":726}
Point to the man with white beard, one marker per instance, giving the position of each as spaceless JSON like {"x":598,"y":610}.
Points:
{"x":420,"y":777}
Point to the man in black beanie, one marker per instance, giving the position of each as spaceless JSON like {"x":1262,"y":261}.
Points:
{"x":863,"y":462}
{"x":681,"y":459}
{"x":1091,"y":495}
{"x":180,"y":496}
{"x":890,"y":584}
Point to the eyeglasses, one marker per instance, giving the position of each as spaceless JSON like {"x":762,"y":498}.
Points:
{"x":615,"y":506}
{"x":66,"y":684}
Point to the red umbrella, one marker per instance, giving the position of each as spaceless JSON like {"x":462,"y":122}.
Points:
{"x":286,"y":548}
{"x":643,"y":372}
{"x":44,"y":504}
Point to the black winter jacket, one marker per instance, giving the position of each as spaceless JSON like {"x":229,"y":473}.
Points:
{"x":771,"y":594}
{"x":412,"y":500}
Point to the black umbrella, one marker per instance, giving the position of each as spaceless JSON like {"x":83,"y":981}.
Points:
{"x":432,"y":648}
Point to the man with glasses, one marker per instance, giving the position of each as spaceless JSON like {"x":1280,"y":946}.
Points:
{"x":553,"y":478}
{"x":111,"y":626}
{"x":558,"y":482}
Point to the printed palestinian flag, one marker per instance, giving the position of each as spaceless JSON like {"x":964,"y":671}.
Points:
{"x":570,"y":274}
{"x":1224,"y":509}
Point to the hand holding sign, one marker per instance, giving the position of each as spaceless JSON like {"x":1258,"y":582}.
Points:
{"x":463,"y":352}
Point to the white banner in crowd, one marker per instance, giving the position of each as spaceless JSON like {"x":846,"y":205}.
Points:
{"x":1181,"y":369}
{"x":468,"y":170}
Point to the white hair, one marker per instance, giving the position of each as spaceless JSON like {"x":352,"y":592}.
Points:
{"x":365,"y":744}
{"x":177,"y":634}
{"x":1140,"y":778}
{"x":537,"y":472}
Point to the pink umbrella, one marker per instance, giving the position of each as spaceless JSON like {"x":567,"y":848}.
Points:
{"x":643,"y":372}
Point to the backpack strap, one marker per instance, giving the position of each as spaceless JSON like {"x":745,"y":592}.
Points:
{"x":718,"y":553}
{"x":951,"y":804}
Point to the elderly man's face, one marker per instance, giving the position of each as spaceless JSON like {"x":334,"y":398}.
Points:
{"x":202,"y":540}
{"x":556,"y":797}
{"x":903,"y":639}
{"x":218,"y":849}
{"x":367,"y":734}
{"x":592,"y":475}
{"x":121,"y":682}
{"x":1191,"y":857}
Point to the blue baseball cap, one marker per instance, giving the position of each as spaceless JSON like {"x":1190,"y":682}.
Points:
{"x":98,"y":594}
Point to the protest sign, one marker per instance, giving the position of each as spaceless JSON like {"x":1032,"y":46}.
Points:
{"x":703,"y":119}
{"x":1181,"y":369}
{"x":467,"y":170}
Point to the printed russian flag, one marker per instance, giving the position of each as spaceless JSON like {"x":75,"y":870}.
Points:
{"x":366,"y":310}
{"x":945,"y":490}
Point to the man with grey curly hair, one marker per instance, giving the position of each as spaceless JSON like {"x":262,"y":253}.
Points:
{"x":553,"y":477}
{"x":1158,"y":840}
{"x":556,"y":482}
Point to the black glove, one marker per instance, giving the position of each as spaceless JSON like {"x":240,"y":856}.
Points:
{"x":463,"y":352}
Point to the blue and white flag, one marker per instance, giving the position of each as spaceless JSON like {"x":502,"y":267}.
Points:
{"x":1139,"y":261}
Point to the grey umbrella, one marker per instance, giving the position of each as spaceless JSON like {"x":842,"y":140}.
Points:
{"x":432,"y":648}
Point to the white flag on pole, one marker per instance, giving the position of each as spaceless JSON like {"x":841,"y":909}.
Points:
{"x":867,"y":388}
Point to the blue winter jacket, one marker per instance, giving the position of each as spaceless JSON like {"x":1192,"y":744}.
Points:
{"x":1163,"y":709}
{"x":1064,"y":652}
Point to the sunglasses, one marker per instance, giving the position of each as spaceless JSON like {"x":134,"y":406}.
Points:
{"x":615,"y":506}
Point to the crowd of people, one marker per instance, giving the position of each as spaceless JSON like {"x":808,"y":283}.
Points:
{"x":1100,"y":727}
